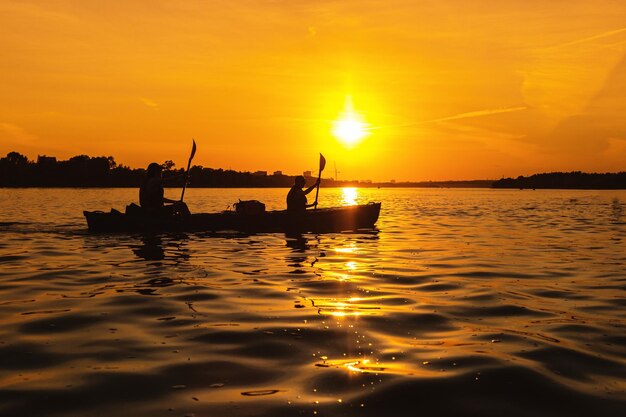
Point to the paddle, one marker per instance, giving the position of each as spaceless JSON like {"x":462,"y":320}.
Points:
{"x":193,"y":152}
{"x":319,"y":177}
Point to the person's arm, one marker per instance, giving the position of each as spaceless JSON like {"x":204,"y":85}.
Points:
{"x":311,"y":188}
{"x":170,"y":201}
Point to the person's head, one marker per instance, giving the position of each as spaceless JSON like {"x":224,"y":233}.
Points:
{"x":154,"y":170}
{"x":300,"y":181}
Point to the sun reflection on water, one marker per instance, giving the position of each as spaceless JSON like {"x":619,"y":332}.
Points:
{"x":349,"y":195}
{"x":346,"y":307}
{"x":373,"y":366}
{"x":350,"y":249}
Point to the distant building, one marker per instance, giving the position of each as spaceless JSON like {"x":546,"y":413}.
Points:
{"x":307,"y":174}
{"x":277,"y":173}
{"x":260,"y":173}
{"x":393,"y":181}
{"x":46,"y":160}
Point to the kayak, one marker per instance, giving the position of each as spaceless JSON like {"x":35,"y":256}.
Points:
{"x":334,"y":219}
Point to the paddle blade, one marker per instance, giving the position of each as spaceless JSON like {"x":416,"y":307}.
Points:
{"x":193,"y":149}
{"x":322,"y":163}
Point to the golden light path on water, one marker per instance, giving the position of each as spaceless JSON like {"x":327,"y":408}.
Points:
{"x":352,"y":308}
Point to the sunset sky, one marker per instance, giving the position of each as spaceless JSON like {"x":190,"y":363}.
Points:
{"x":443,"y":89}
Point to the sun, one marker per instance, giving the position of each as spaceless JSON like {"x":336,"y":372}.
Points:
{"x":349,"y":131}
{"x":350,"y":127}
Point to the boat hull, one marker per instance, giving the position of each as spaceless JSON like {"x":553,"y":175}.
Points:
{"x":335,"y":219}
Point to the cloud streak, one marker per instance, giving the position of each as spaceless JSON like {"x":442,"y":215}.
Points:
{"x":460,"y":116}
{"x":17,"y":134}
{"x":149,"y":103}
{"x":590,"y":38}
{"x":477,"y":113}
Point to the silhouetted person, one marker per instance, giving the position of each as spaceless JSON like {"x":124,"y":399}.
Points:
{"x":296,"y":198}
{"x":151,"y":196}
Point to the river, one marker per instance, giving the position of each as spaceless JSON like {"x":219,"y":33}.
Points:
{"x":461,"y":302}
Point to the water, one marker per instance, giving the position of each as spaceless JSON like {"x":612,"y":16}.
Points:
{"x":463,"y":302}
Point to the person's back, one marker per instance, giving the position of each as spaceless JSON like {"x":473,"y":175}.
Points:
{"x":151,"y":194}
{"x":296,"y":200}
{"x":151,"y":190}
{"x":151,"y":198}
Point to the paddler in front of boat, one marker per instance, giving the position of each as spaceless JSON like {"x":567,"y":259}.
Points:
{"x":296,"y":198}
{"x":151,"y":197}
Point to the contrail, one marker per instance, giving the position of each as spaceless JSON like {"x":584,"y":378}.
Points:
{"x":477,"y":113}
{"x":590,"y":38}
{"x":468,"y":115}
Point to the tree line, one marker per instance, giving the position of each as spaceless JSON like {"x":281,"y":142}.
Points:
{"x":566,"y":180}
{"x":16,"y":170}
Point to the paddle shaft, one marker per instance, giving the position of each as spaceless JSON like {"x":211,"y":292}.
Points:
{"x":193,"y":152}
{"x":317,"y":191}
{"x":319,"y":177}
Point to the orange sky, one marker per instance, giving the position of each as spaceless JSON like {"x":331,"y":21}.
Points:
{"x":449,"y":89}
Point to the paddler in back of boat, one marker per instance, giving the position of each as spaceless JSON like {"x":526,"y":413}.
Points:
{"x":296,"y":198}
{"x":151,"y":196}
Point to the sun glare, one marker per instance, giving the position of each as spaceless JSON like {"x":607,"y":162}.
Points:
{"x":350,"y":128}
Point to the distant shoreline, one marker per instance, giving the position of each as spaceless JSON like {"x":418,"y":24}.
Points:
{"x":486,"y":184}
{"x":457,"y":187}
{"x":576,"y":180}
{"x":82,"y":171}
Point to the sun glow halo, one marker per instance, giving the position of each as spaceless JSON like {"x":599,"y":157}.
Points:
{"x":349,"y":131}
{"x":350,"y":128}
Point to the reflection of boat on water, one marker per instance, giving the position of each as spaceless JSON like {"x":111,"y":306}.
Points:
{"x":335,"y":219}
{"x":151,"y":249}
{"x":167,"y":247}
{"x":296,"y":242}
